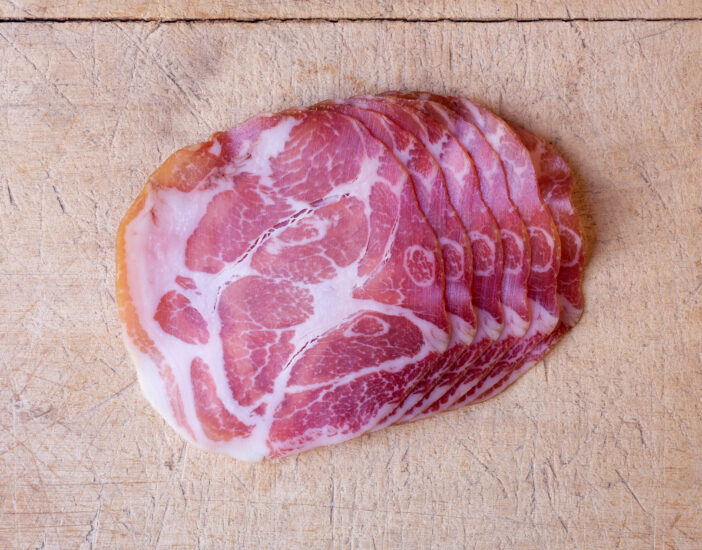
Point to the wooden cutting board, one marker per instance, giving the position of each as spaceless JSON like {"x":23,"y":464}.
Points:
{"x":599,"y":446}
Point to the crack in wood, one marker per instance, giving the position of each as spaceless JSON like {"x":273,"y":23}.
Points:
{"x":173,"y":20}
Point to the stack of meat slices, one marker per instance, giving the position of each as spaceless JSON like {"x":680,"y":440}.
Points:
{"x":313,"y":275}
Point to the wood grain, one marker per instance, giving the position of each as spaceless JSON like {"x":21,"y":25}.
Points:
{"x":362,"y":9}
{"x":600,"y":446}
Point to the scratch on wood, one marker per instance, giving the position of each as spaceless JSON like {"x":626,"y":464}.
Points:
{"x":92,"y":536}
{"x":107,"y":400}
{"x":58,"y":198}
{"x":42,"y":73}
{"x":649,"y":184}
{"x":638,"y":39}
{"x":186,"y":100}
{"x":546,"y":369}
{"x":693,"y":292}
{"x":637,"y":424}
{"x":239,"y":480}
{"x":13,"y":202}
{"x":563,"y":523}
{"x":332,"y":505}
{"x":631,"y":492}
{"x":487,"y":469}
{"x":163,"y":521}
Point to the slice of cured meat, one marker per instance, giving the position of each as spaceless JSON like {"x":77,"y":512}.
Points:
{"x":434,"y":201}
{"x":543,"y":240}
{"x":555,"y":183}
{"x":515,"y":247}
{"x":464,"y":191}
{"x":320,"y":273}
{"x":279,"y":286}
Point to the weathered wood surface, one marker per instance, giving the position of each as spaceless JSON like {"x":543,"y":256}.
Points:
{"x":598,"y":447}
{"x":361,"y":9}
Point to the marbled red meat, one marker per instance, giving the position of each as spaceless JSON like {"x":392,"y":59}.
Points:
{"x":429,"y":183}
{"x":316,"y":294}
{"x":464,"y":191}
{"x":555,"y":184}
{"x":544,"y":246}
{"x":316,"y":274}
{"x":464,"y":373}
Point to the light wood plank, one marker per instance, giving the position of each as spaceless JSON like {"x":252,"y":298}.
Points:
{"x":599,"y":447}
{"x":362,"y":9}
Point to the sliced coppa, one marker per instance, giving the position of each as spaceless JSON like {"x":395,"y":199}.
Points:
{"x":428,"y":181}
{"x":555,"y":182}
{"x":279,"y":286}
{"x":543,"y":239}
{"x":464,"y":191}
{"x":515,"y":248}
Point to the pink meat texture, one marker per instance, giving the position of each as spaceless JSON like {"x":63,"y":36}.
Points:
{"x":317,"y":274}
{"x":461,"y":180}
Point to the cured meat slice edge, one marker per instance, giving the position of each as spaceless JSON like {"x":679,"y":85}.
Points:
{"x":428,"y":180}
{"x":544,"y":244}
{"x":464,"y":190}
{"x":515,"y":245}
{"x":555,"y":181}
